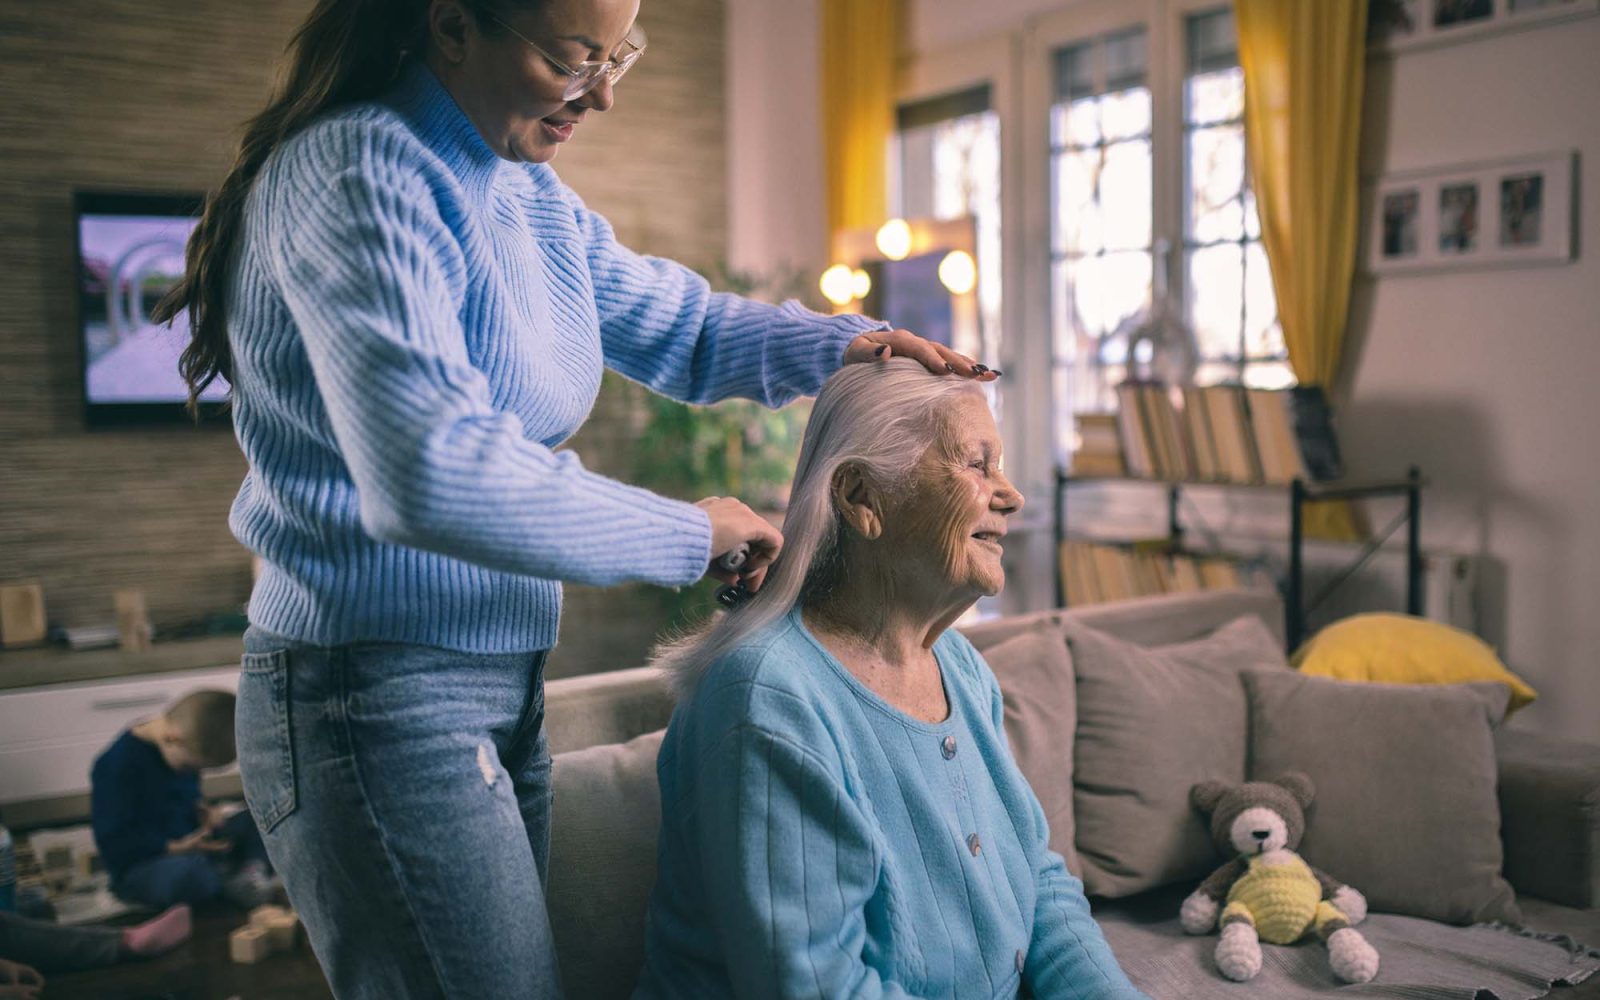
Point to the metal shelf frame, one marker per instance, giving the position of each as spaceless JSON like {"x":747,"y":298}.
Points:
{"x":1300,"y":492}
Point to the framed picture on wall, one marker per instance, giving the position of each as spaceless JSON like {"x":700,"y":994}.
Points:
{"x":1397,"y":25}
{"x":1499,"y":214}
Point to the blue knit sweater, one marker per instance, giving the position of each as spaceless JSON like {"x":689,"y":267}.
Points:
{"x":416,"y":325}
{"x":818,"y":842}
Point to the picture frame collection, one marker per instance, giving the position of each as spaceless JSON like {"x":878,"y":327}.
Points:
{"x":1508,"y":213}
{"x":1398,"y":25}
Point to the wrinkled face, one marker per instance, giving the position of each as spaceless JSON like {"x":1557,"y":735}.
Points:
{"x":513,"y":94}
{"x":954,"y":516}
{"x":1258,"y":830}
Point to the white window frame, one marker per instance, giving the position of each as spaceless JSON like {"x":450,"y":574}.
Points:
{"x":997,"y":62}
{"x":1016,"y":64}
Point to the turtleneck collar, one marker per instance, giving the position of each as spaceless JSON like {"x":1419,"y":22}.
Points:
{"x":442,"y":125}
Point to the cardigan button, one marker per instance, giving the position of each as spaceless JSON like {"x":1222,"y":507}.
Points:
{"x":974,"y":844}
{"x":948,"y":747}
{"x":1022,"y":959}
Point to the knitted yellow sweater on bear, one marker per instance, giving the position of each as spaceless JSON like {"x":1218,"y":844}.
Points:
{"x":1280,"y":897}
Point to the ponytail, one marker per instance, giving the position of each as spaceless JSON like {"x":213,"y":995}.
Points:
{"x":346,"y":51}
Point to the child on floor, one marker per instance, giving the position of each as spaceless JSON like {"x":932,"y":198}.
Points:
{"x":160,"y":843}
{"x":28,"y":946}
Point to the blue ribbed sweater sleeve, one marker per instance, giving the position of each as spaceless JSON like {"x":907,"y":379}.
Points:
{"x":790,"y":862}
{"x":374,"y":279}
{"x":661,"y":325}
{"x":1068,"y":958}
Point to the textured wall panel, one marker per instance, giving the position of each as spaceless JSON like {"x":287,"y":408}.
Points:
{"x":150,"y":96}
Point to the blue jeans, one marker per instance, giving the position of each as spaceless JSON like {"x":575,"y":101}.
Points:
{"x":404,"y":795}
{"x":190,"y":878}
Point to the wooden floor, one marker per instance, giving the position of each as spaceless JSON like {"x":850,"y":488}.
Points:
{"x":200,"y":970}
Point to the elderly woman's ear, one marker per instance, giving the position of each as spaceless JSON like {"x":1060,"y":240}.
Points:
{"x":858,"y":501}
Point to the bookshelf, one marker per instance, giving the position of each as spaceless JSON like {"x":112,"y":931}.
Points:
{"x":1297,"y":492}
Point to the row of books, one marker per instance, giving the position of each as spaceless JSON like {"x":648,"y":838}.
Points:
{"x":1217,"y":433}
{"x":1094,"y":572}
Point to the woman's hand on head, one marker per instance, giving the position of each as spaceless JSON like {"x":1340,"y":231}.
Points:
{"x":734,"y":524}
{"x":880,"y":345}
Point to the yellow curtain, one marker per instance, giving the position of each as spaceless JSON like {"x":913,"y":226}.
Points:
{"x":859,"y":55}
{"x":1304,"y":63}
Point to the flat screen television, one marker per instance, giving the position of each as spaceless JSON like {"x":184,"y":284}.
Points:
{"x":130,"y":253}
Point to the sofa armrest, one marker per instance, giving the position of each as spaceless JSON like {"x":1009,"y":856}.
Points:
{"x":1550,"y":816}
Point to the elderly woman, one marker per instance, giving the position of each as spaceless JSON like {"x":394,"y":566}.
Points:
{"x":840,"y":813}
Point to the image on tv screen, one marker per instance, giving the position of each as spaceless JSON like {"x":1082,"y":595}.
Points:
{"x":127,"y":262}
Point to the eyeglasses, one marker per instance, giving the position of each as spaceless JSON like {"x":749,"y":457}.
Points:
{"x":587,"y":75}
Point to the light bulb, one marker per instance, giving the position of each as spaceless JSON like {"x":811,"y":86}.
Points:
{"x":860,"y":283}
{"x":836,"y":284}
{"x":958,"y":272}
{"x":894,"y":239}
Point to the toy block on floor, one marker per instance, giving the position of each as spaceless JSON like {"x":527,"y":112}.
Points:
{"x":284,"y":930}
{"x":262,"y":916}
{"x":249,"y":945}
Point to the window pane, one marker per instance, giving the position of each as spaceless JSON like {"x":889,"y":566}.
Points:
{"x":1086,"y":304}
{"x":1125,"y":188}
{"x":1125,"y":60}
{"x":1126,"y":114}
{"x":1214,"y":97}
{"x":1215,"y":283}
{"x":1077,"y":226}
{"x":1269,"y":375}
{"x":1263,"y":338}
{"x":1216,"y":372}
{"x":1126,"y":278}
{"x":1252,"y":221}
{"x":1074,"y":72}
{"x":1065,"y":331}
{"x":1216,"y":178}
{"x":1211,"y":41}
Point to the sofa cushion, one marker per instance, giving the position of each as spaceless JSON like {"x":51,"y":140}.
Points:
{"x":1401,"y":649}
{"x":605,"y":816}
{"x":1035,"y":674}
{"x":1151,"y":723}
{"x":1406,"y":808}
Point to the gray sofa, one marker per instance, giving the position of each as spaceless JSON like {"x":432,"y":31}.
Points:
{"x":605,"y":730}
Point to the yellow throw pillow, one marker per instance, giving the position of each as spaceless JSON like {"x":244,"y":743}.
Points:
{"x":1400,"y":649}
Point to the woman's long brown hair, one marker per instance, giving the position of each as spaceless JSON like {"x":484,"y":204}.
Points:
{"x":346,"y":51}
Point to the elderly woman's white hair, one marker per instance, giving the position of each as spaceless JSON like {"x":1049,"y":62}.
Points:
{"x":881,"y":417}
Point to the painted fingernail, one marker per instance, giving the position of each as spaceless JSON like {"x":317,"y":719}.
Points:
{"x":949,"y":367}
{"x":996,"y":371}
{"x":980,"y":369}
{"x":879,"y":352}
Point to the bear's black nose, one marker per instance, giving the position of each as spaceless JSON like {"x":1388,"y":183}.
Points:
{"x":1261,"y":834}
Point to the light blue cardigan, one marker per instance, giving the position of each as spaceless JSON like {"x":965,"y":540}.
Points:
{"x":816,"y":842}
{"x":416,"y":324}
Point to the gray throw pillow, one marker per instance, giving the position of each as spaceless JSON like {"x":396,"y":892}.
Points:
{"x":1406,"y":808}
{"x":606,"y":812}
{"x":1035,"y":674}
{"x":1151,"y":723}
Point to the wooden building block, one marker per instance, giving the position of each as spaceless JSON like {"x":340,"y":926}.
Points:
{"x":284,"y":931}
{"x":263,"y":916}
{"x":133,"y":621}
{"x":22,"y":615}
{"x":249,"y":945}
{"x":57,"y":856}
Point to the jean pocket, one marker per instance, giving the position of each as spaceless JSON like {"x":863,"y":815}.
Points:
{"x":266,"y":747}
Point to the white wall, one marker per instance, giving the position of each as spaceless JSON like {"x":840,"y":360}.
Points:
{"x":1486,"y":378}
{"x":777,"y":216}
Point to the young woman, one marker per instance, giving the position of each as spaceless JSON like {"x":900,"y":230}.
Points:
{"x":413,"y":312}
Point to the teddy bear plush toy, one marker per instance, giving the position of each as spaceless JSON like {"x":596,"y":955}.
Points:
{"x":1267,"y":893}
